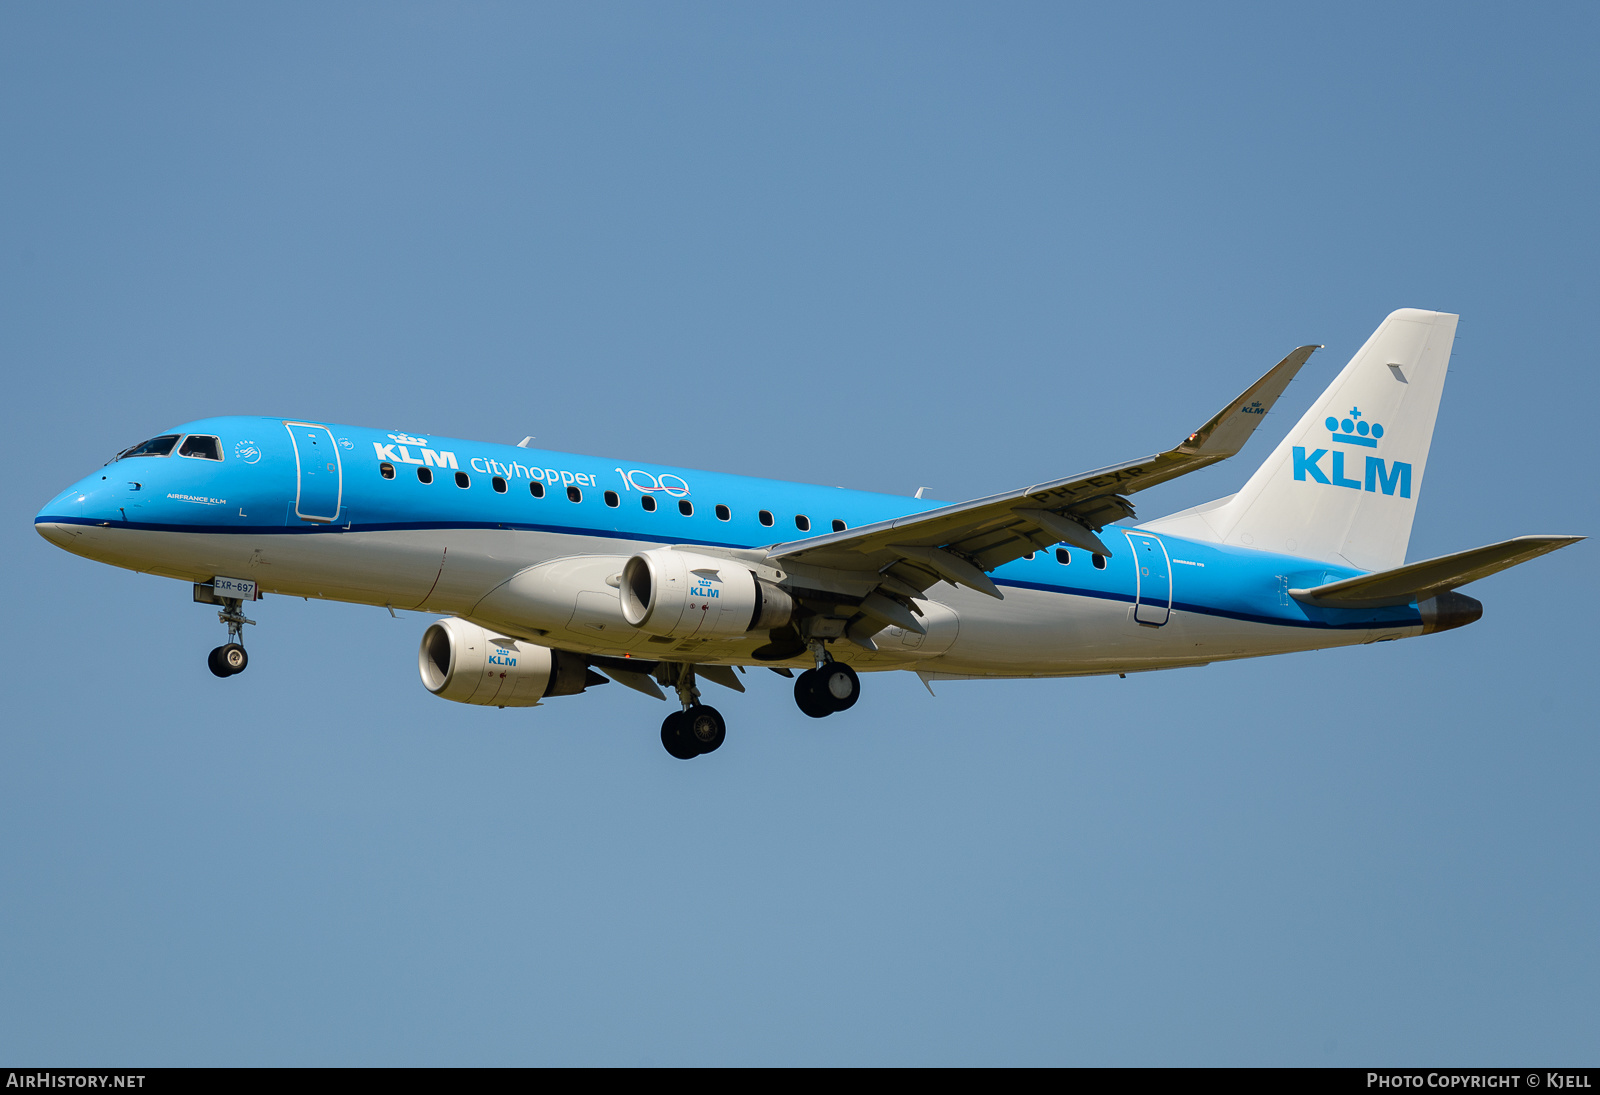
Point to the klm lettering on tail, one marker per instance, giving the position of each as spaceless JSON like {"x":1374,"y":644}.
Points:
{"x":1353,"y":430}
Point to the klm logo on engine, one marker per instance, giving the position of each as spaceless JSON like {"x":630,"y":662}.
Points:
{"x":400,"y":452}
{"x":502,"y":656}
{"x":1354,"y":430}
{"x":704,"y":588}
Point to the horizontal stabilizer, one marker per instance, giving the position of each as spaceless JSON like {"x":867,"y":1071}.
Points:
{"x":1431,"y":577}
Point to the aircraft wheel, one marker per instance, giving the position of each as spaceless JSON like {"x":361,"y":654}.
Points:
{"x":839,"y":685}
{"x":215,"y":664}
{"x":674,"y":739}
{"x":703,"y":728}
{"x":811,"y":695}
{"x":233,"y":658}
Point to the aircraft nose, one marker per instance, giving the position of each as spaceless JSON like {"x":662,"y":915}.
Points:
{"x":57,"y":532}
{"x":56,"y":522}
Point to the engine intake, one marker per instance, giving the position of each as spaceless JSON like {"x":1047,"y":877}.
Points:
{"x":462,"y":662}
{"x":682,"y":594}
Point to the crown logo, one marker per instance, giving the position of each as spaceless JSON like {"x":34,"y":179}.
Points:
{"x":407,"y":439}
{"x":1354,"y":430}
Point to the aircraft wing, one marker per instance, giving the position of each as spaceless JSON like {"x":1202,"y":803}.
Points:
{"x":960,"y":543}
{"x":1431,"y":577}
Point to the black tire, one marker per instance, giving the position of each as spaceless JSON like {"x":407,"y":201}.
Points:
{"x":704,"y":728}
{"x":233,"y":658}
{"x":839,"y":685}
{"x":674,"y":740}
{"x":215,"y":664}
{"x":809,"y":695}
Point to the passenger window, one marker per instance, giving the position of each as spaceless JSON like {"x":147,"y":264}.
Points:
{"x":156,"y":446}
{"x":766,"y":518}
{"x":536,"y":489}
{"x":686,"y":507}
{"x":424,"y":475}
{"x":463,"y":480}
{"x":1098,"y":560}
{"x":386,"y":470}
{"x":498,"y":484}
{"x":647,"y":502}
{"x":612,"y":500}
{"x":199,"y":445}
{"x":722,"y":513}
{"x":802,"y":522}
{"x":838,"y":525}
{"x":574,"y":494}
{"x":1029,"y":556}
{"x":1063,"y":556}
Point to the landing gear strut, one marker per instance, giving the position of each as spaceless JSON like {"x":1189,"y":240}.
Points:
{"x":831,"y":686}
{"x":230,"y":658}
{"x":697,"y":728}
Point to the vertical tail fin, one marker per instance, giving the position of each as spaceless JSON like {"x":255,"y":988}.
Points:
{"x":1343,"y":486}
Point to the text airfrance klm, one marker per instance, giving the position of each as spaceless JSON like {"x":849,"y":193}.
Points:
{"x":1379,"y":475}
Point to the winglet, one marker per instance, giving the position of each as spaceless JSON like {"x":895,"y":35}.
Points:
{"x":1226,"y":434}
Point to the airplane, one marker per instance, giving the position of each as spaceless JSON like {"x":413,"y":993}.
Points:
{"x":554,"y":572}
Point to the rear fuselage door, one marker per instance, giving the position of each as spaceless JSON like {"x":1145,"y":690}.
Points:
{"x":320,"y":473}
{"x":1153,"y":595}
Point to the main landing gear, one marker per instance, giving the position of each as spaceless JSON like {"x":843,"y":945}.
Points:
{"x":831,"y":686}
{"x":697,"y":728}
{"x":230,"y":658}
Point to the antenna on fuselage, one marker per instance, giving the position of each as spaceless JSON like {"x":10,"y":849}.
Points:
{"x":524,"y":442}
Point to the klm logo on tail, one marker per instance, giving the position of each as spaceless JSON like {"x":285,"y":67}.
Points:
{"x":1356,"y":431}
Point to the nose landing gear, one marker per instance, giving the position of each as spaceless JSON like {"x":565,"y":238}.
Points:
{"x":230,"y":658}
{"x":227,"y":660}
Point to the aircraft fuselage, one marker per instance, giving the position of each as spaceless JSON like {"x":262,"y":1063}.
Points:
{"x":530,"y":543}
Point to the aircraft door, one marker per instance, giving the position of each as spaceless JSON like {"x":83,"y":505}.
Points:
{"x":319,"y":472}
{"x":1153,"y":595}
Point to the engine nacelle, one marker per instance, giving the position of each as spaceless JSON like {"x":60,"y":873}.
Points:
{"x":681,"y":594}
{"x":462,"y":662}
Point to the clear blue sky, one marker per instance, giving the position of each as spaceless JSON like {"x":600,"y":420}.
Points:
{"x":881,"y":246}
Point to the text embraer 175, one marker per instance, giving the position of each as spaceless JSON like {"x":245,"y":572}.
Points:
{"x":549,"y":566}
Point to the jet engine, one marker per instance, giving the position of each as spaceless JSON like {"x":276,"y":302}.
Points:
{"x":682,"y":594}
{"x":462,"y":662}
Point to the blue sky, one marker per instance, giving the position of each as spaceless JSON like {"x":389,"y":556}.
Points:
{"x":880,"y":246}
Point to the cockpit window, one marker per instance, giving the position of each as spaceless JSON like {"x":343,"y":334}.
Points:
{"x":198,"y":444}
{"x":156,"y":446}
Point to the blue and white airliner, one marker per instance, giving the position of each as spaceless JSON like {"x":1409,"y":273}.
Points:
{"x":554,"y":573}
